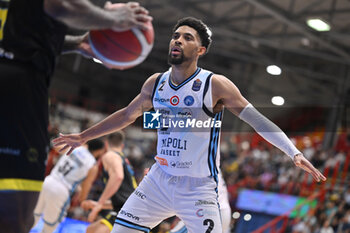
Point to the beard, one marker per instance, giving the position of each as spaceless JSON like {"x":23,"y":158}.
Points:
{"x":175,"y":60}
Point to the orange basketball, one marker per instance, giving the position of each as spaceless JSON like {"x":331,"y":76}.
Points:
{"x":122,"y":50}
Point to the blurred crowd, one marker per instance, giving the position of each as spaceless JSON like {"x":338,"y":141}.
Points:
{"x":263,"y":167}
{"x":247,"y":161}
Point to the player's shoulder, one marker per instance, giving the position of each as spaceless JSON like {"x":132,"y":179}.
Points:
{"x":152,"y":79}
{"x":218,"y":77}
{"x":110,"y":156}
{"x":149,"y":84}
{"x":219,"y":80}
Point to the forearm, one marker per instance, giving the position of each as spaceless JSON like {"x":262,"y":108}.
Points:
{"x":85,"y":189}
{"x":111,"y":188}
{"x":80,"y":14}
{"x":83,"y":196}
{"x":268,"y":130}
{"x":114,"y":122}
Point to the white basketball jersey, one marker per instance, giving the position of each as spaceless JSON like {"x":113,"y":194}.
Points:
{"x":188,"y":140}
{"x":72,"y":170}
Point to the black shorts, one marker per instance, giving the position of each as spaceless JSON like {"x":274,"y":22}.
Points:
{"x":23,"y":123}
{"x":108,"y":218}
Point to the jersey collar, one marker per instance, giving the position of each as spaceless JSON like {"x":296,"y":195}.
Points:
{"x":185,"y":81}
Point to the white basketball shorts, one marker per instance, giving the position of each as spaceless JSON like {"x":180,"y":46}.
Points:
{"x":160,"y":196}
{"x":53,"y":201}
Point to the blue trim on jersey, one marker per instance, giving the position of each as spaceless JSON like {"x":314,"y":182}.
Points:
{"x":212,"y":142}
{"x":209,"y":150}
{"x":212,"y":151}
{"x":131,"y":225}
{"x":216,"y":145}
{"x":184,"y":82}
{"x":75,"y":185}
{"x":182,"y":230}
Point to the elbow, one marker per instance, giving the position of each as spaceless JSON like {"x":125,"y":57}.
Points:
{"x":120,"y":179}
{"x":117,"y":178}
{"x":55,"y":8}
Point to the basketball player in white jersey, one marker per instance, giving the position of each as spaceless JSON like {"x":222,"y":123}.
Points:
{"x":68,"y":173}
{"x":187,"y":159}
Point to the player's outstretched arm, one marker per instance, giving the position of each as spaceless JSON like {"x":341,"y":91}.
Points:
{"x":226,"y":92}
{"x":116,"y":121}
{"x":82,"y":14}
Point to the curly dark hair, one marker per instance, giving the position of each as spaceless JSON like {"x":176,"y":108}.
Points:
{"x":95,"y":144}
{"x":202,"y":29}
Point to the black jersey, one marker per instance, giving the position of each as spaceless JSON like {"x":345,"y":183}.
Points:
{"x":28,"y":34}
{"x":127,"y":186}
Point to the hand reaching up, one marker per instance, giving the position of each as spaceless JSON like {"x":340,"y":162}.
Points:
{"x":128,"y":15}
{"x":69,"y":141}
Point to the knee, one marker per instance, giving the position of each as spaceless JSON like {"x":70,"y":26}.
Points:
{"x":90,"y":229}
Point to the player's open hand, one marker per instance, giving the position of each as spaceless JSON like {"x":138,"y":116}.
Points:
{"x":128,"y":15}
{"x":303,"y":163}
{"x":88,"y":204}
{"x":94,"y":212}
{"x":69,"y":141}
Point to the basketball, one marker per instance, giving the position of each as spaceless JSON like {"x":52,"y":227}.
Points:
{"x":122,"y":50}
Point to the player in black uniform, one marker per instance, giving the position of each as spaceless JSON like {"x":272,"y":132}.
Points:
{"x":32,"y":34}
{"x":119,"y":181}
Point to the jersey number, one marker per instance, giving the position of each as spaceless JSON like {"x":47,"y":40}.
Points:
{"x":66,"y":168}
{"x":4,"y":4}
{"x":210,"y":224}
{"x":161,"y":86}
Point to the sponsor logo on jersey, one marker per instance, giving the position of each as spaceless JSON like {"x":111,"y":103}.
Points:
{"x":140,"y":194}
{"x":129,"y":215}
{"x":162,"y":161}
{"x":151,"y":120}
{"x":161,"y":100}
{"x":204,"y":202}
{"x":197,"y":85}
{"x":200,"y":213}
{"x":10,"y":151}
{"x":181,"y":164}
{"x":189,"y":100}
{"x":185,"y":113}
{"x":174,"y":100}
